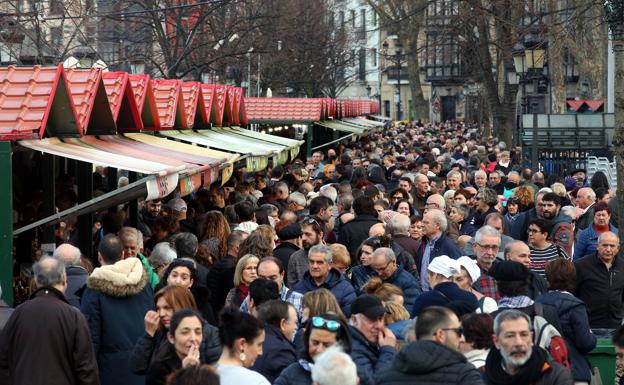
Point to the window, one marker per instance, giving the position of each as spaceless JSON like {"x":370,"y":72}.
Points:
{"x":374,"y":17}
{"x":353,"y":18}
{"x":374,"y":57}
{"x":362,"y":34}
{"x":362,"y":71}
{"x":341,"y":15}
{"x":387,"y":108}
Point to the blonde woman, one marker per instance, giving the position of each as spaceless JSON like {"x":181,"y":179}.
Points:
{"x":245,"y":273}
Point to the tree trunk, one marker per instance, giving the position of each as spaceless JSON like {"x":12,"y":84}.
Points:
{"x":556,"y":50}
{"x":421,"y":105}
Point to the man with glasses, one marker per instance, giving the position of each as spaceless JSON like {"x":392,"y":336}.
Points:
{"x":385,"y":266}
{"x":373,"y":344}
{"x":434,"y":357}
{"x":486,"y":245}
{"x":321,"y":274}
{"x":600,"y":282}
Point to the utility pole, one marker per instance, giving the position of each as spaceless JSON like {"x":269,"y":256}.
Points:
{"x":615,"y":17}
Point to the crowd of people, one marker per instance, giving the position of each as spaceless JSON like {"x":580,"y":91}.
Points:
{"x":420,"y":255}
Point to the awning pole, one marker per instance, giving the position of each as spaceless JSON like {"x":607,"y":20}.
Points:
{"x":6,"y":222}
{"x":332,"y":142}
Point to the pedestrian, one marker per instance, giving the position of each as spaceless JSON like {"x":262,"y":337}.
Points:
{"x":114,"y":303}
{"x":46,"y":340}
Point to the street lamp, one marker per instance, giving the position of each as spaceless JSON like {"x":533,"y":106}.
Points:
{"x":397,"y":59}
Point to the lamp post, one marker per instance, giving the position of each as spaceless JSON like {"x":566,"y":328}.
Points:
{"x":397,"y":60}
{"x":529,"y":64}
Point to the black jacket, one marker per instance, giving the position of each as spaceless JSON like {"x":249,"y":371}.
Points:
{"x":602,"y":290}
{"x":148,"y":348}
{"x":76,"y":281}
{"x":46,"y":341}
{"x":161,"y":368}
{"x":354,"y":232}
{"x":518,"y":230}
{"x":369,"y":358}
{"x":537,"y":285}
{"x":427,"y":362}
{"x":443,"y":246}
{"x":277,"y":354}
{"x":221,"y":281}
{"x":294,"y":374}
{"x":283,"y":251}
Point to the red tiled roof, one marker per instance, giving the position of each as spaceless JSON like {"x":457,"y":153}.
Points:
{"x":90,"y":101}
{"x":283,"y":109}
{"x":122,"y":100}
{"x":220,"y":98}
{"x":144,"y":98}
{"x":190,"y":93}
{"x":27,"y":97}
{"x":242,"y":111}
{"x":166,"y":96}
{"x":207,"y":99}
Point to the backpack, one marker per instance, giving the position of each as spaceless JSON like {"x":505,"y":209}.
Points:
{"x":562,"y":235}
{"x":547,"y":337}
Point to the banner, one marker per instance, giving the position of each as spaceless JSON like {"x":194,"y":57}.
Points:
{"x":161,"y":186}
{"x":226,"y":174}
{"x":189,"y":184}
{"x":210,"y":175}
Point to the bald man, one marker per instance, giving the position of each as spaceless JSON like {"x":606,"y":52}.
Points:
{"x":437,"y":201}
{"x":585,"y":200}
{"x":76,"y":274}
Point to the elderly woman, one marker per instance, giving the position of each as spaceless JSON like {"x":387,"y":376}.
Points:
{"x":486,"y":201}
{"x":460,"y":214}
{"x":588,"y":238}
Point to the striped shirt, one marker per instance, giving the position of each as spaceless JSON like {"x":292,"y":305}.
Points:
{"x":540,"y":258}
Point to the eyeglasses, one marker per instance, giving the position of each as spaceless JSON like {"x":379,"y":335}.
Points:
{"x":382,"y":269}
{"x":489,"y":247}
{"x":320,"y":322}
{"x":533,"y":231}
{"x":459,"y":330}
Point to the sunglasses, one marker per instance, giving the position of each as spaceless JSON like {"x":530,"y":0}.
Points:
{"x":459,"y":330}
{"x":310,"y":221}
{"x":320,"y":322}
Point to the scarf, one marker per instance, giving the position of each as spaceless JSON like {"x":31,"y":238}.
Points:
{"x":527,"y":374}
{"x":515,"y":302}
{"x":243,"y":291}
{"x":601,"y":229}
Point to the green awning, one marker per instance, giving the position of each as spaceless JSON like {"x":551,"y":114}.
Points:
{"x":293,"y":144}
{"x":338,"y":126}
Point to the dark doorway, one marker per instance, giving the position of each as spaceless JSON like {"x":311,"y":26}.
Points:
{"x":449,"y":104}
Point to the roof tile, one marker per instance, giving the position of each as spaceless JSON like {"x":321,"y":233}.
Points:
{"x":190,"y":92}
{"x":83,"y":85}
{"x":166,"y":94}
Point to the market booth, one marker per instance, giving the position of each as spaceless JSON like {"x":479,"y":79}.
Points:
{"x":166,"y":135}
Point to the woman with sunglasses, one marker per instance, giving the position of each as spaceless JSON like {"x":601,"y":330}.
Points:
{"x":322,"y":332}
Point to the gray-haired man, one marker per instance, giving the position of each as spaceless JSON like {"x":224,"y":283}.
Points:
{"x":320,"y":274}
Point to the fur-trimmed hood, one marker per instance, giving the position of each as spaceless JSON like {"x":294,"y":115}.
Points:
{"x":123,"y":279}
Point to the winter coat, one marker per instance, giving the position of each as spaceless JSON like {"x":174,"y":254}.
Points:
{"x":354,"y":232}
{"x":337,"y":283}
{"x":407,"y":243}
{"x":295,"y":374}
{"x":114,"y":303}
{"x":147,"y":348}
{"x":160,"y":368}
{"x":586,"y":219}
{"x":537,"y":285}
{"x":519,"y":227}
{"x":587,"y":240}
{"x":297,"y":267}
{"x":277,"y":354}
{"x":444,"y":294}
{"x":5,"y":314}
{"x":76,"y":281}
{"x":369,"y":358}
{"x":601,"y":289}
{"x":221,"y":281}
{"x":360,"y":274}
{"x":410,"y":286}
{"x":575,"y":329}
{"x":443,"y":246}
{"x":427,"y":362}
{"x":46,"y":341}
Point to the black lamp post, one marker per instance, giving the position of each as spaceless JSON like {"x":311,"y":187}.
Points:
{"x":397,"y":59}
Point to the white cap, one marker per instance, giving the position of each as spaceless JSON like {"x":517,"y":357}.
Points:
{"x":471,"y":267}
{"x":247,"y":227}
{"x":444,"y":265}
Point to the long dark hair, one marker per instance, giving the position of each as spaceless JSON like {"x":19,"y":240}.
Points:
{"x":343,"y":337}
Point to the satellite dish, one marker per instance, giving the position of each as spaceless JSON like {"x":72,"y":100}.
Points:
{"x":269,"y":93}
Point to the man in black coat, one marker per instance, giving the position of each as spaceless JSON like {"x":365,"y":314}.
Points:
{"x":291,"y":241}
{"x":46,"y":340}
{"x":221,"y":275}
{"x":434,"y":358}
{"x":600,"y":283}
{"x":278,"y":350}
{"x":76,"y":274}
{"x":354,"y":232}
{"x":519,"y":251}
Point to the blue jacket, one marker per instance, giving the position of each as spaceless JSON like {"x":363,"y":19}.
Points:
{"x":295,"y":374}
{"x":443,"y":246}
{"x":337,"y":283}
{"x":115,"y":310}
{"x":410,"y":286}
{"x":76,"y":281}
{"x":575,"y":330}
{"x":369,"y":358}
{"x":360,"y":274}
{"x":587,"y":241}
{"x":277,"y":354}
{"x":445,"y":294}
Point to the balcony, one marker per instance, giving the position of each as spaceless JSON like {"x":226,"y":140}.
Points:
{"x":392,"y":75}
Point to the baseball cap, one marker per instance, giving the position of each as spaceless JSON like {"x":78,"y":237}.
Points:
{"x":369,"y":305}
